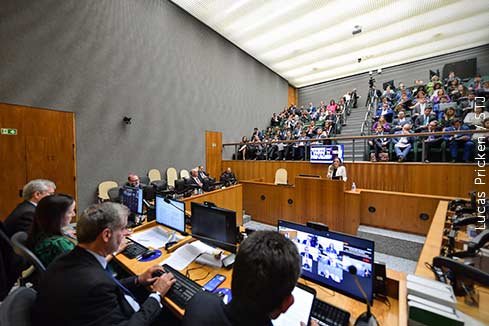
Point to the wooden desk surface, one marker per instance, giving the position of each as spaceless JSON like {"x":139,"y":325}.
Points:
{"x":202,"y":274}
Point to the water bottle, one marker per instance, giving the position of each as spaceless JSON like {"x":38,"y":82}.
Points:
{"x":353,"y":187}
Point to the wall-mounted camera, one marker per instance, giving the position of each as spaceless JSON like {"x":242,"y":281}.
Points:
{"x":127,"y":120}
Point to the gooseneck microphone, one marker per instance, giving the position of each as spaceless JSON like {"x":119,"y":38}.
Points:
{"x":367,"y":318}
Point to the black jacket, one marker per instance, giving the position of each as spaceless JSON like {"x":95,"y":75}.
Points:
{"x":20,"y":219}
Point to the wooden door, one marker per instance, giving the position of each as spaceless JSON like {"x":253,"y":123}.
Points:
{"x":12,"y":159}
{"x":47,"y":146}
{"x":213,"y":153}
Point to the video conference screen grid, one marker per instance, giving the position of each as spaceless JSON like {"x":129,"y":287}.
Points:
{"x":133,"y":198}
{"x":326,"y":256}
{"x":169,"y":215}
{"x":326,"y":153}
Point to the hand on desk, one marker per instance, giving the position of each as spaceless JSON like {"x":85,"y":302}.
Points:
{"x":164,"y":283}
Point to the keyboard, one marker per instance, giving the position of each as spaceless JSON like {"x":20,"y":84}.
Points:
{"x":327,"y":314}
{"x":134,"y":250}
{"x":184,"y":288}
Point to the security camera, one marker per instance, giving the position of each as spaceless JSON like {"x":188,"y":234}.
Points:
{"x":379,"y":71}
{"x":127,"y":120}
{"x":359,"y":60}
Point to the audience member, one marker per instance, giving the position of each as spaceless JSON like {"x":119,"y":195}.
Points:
{"x":422,"y":121}
{"x":265,"y":273}
{"x":461,"y":140}
{"x":476,"y":117}
{"x":46,"y":237}
{"x":77,"y":288}
{"x":432,"y":141}
{"x":228,"y":177}
{"x":194,"y":180}
{"x":379,"y":145}
{"x":337,"y":171}
{"x":20,"y":219}
{"x":133,"y":181}
{"x":403,"y":145}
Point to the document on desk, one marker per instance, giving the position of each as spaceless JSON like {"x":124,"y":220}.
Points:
{"x":154,"y":237}
{"x":186,"y":254}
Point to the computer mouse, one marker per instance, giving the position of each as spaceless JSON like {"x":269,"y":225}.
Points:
{"x":224,"y":294}
{"x":148,"y":254}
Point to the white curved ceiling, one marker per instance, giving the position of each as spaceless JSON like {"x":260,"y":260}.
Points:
{"x":308,"y":42}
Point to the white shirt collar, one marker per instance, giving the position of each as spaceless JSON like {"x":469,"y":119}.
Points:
{"x":100,"y":259}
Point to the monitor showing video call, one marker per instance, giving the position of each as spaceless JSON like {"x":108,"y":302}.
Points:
{"x":326,"y":257}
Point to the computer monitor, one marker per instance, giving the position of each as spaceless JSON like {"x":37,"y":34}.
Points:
{"x":170,"y":213}
{"x":214,"y":225}
{"x":326,"y":153}
{"x":132,"y":197}
{"x":326,"y":258}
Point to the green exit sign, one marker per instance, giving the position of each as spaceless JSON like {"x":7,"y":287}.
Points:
{"x":9,"y":131}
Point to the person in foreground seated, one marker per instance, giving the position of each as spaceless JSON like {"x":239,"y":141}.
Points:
{"x":265,"y":272}
{"x":21,"y":217}
{"x":46,"y":238}
{"x":403,"y":145}
{"x":78,"y":289}
{"x":337,"y":171}
{"x":228,"y":177}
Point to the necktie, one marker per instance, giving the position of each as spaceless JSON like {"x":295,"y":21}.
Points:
{"x":119,"y":284}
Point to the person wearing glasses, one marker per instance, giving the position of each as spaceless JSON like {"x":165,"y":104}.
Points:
{"x":20,"y":219}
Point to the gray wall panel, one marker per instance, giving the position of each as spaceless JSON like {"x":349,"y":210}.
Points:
{"x":104,"y":59}
{"x":406,"y":73}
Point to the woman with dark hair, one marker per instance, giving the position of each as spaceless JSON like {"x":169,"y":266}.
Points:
{"x":337,"y":171}
{"x":46,"y":238}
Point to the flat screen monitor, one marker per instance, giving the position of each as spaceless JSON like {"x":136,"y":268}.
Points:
{"x":214,"y":225}
{"x":170,"y":213}
{"x":326,"y":153}
{"x":132,"y":197}
{"x":326,"y":258}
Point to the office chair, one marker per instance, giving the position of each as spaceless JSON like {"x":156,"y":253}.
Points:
{"x":16,"y":309}
{"x":114,"y":194}
{"x":103,"y":189}
{"x":19,"y":240}
{"x":171,"y":176}
{"x":281,"y":176}
{"x":11,"y":265}
{"x":184,"y":174}
{"x":154,"y":175}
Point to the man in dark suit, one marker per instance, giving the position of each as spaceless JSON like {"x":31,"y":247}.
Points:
{"x":77,"y":288}
{"x":422,"y":121}
{"x":194,"y":180}
{"x":265,"y":273}
{"x":21,"y":217}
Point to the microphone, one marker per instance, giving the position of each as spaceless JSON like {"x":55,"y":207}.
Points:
{"x":366,"y":318}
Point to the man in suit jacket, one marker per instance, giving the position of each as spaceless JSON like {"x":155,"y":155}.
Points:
{"x":194,"y":180}
{"x":21,"y":217}
{"x":77,"y":288}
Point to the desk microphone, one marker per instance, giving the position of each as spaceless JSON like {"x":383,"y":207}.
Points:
{"x":366,"y":318}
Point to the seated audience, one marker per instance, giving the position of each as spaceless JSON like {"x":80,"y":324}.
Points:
{"x":337,"y":171}
{"x":483,"y":136}
{"x":432,"y":141}
{"x":77,"y":288}
{"x":400,"y":121}
{"x":419,"y":107}
{"x":228,"y":177}
{"x":477,"y":83}
{"x":202,"y":174}
{"x":459,"y":141}
{"x":265,"y":273}
{"x":382,"y":123}
{"x":381,"y":144}
{"x":385,"y":111}
{"x":46,"y":239}
{"x":403,"y":145}
{"x":476,"y":117}
{"x":332,"y":107}
{"x":448,"y":117}
{"x":422,"y":121}
{"x":20,"y":219}
{"x":435,"y":83}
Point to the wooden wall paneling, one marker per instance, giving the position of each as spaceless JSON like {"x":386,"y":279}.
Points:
{"x":292,"y":95}
{"x":351,"y":216}
{"x":230,"y":198}
{"x":438,"y":179}
{"x":213,"y":153}
{"x":397,"y":211}
{"x":50,"y":147}
{"x":320,"y":200}
{"x":12,"y":159}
